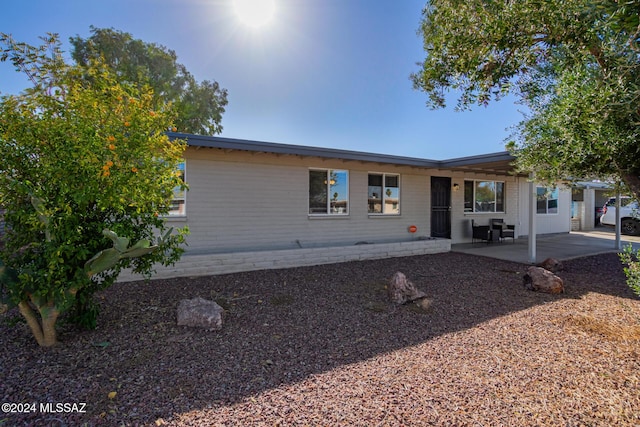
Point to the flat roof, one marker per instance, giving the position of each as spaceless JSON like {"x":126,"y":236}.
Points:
{"x":500,"y":162}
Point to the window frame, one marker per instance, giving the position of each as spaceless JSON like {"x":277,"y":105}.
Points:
{"x":179,"y":195}
{"x":496,"y":202}
{"x":384,"y":196}
{"x":547,"y":193}
{"x":331,"y":210}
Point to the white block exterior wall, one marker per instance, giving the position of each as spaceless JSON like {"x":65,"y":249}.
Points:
{"x":246,"y":201}
{"x":545,"y":223}
{"x":216,"y":264}
{"x":249,"y":201}
{"x":248,"y":210}
{"x":461,"y":220}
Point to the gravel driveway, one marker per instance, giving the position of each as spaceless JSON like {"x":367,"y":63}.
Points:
{"x":321,"y":346}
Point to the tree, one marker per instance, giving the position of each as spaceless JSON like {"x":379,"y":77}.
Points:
{"x":86,"y":169}
{"x":574,"y":64}
{"x":199,"y":106}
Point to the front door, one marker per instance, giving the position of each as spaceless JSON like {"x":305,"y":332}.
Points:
{"x":440,"y":207}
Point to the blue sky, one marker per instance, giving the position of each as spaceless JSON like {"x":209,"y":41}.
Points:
{"x":326,"y":73}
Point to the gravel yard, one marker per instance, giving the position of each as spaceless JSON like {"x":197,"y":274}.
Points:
{"x":321,"y":346}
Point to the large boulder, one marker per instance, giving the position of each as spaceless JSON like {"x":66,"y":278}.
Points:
{"x":201,"y":313}
{"x":403,"y":291}
{"x":541,"y":280}
{"x":551,"y":264}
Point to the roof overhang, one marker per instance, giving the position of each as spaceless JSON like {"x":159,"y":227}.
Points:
{"x":501,"y":163}
{"x":497,"y":163}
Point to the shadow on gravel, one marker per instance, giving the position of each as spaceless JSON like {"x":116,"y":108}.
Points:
{"x":282,"y":326}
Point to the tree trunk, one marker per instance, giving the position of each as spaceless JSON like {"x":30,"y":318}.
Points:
{"x":633,"y":182}
{"x":44,"y":330}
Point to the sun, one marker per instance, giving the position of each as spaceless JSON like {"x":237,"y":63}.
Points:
{"x":254,"y":13}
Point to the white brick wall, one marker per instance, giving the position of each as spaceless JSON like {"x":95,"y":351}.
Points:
{"x":240,"y":201}
{"x":545,"y":223}
{"x":215,"y":264}
{"x":252,"y":202}
{"x":461,"y":221}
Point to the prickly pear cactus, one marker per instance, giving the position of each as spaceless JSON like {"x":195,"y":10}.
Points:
{"x":108,"y":258}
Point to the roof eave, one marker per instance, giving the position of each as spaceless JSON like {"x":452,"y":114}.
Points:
{"x":300,"y":150}
{"x":500,"y":162}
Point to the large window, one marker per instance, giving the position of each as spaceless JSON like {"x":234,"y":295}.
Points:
{"x":384,"y":194}
{"x":328,"y":192}
{"x":546,"y":200}
{"x":178,"y":204}
{"x":483,"y":196}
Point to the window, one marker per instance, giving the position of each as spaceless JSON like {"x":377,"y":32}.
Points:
{"x":178,"y":204}
{"x":328,"y":192}
{"x":483,"y":196}
{"x":384,"y":194}
{"x":546,"y":200}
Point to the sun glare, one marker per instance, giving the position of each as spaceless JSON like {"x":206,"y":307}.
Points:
{"x":254,"y":13}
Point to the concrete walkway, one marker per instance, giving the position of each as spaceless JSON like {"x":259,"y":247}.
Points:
{"x":560,"y":246}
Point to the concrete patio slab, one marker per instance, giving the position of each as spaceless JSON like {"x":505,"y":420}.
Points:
{"x":560,"y":246}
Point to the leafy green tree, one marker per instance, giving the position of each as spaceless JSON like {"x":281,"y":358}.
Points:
{"x":574,"y":64}
{"x":87,"y":175}
{"x":199,"y":106}
{"x":631,"y":261}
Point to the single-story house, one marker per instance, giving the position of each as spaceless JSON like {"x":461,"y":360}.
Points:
{"x":258,"y":205}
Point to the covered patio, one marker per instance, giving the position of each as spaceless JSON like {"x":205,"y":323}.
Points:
{"x":562,"y":246}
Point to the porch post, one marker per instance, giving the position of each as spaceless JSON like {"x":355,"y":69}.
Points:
{"x":618,"y":225}
{"x":532,"y":218}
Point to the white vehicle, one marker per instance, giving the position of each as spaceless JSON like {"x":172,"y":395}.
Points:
{"x":629,"y":215}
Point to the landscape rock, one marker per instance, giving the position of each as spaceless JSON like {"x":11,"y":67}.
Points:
{"x":551,"y":264}
{"x":201,"y":313}
{"x":541,"y":280}
{"x":402,"y":291}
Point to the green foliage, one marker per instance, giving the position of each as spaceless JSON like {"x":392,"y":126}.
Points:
{"x":82,"y":153}
{"x":574,"y":64}
{"x":86,"y":309}
{"x":631,"y":260}
{"x":8,"y":279}
{"x":108,"y":258}
{"x":84,"y":312}
{"x":199,"y":106}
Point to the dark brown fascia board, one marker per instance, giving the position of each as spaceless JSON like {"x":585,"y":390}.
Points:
{"x":503,"y":156}
{"x":301,"y":150}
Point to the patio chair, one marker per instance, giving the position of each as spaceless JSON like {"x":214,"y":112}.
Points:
{"x":480,"y":232}
{"x":506,"y":231}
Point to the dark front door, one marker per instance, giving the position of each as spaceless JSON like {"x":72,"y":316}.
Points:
{"x":440,"y":207}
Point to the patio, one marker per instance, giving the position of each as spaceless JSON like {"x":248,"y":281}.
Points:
{"x":560,"y":246}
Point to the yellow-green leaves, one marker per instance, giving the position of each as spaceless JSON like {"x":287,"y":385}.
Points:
{"x":82,"y":153}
